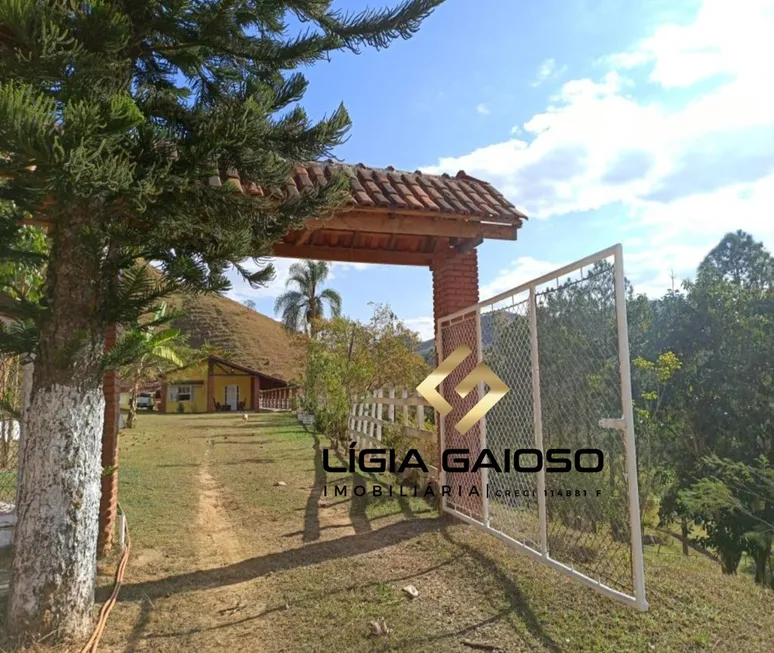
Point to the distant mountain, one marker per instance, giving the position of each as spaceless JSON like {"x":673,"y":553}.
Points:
{"x":426,"y":349}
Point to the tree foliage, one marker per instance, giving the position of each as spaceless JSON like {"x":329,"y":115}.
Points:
{"x":118,"y":121}
{"x":145,"y":351}
{"x":712,"y":421}
{"x":349,"y":359}
{"x":303,"y":306}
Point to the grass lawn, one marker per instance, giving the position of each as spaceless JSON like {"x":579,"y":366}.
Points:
{"x":226,"y":559}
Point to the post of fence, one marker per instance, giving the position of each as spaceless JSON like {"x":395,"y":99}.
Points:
{"x":391,"y":407}
{"x":537,"y":418}
{"x":372,"y":430}
{"x":379,"y":411}
{"x":638,"y":565}
{"x":439,"y":417}
{"x":482,"y":423}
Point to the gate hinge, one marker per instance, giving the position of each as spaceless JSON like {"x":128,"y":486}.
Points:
{"x":613,"y":423}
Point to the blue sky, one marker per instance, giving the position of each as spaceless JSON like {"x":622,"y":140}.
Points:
{"x":645,"y":122}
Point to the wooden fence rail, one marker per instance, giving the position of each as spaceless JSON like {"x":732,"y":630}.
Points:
{"x":370,"y":415}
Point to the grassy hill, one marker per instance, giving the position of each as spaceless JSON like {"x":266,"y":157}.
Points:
{"x":250,"y":338}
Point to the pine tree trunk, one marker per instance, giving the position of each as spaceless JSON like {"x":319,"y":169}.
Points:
{"x":55,"y":540}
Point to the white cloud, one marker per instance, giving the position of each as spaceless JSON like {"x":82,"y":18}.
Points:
{"x":425,"y":326}
{"x":723,"y":39}
{"x":521,"y":270}
{"x":483,"y":109}
{"x":690,"y":170}
{"x":548,"y":70}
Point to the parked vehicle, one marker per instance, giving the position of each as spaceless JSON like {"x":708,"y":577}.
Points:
{"x":145,"y":400}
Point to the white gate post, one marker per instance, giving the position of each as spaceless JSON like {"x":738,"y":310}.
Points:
{"x":439,"y":418}
{"x":537,"y":418}
{"x":638,"y":564}
{"x":482,"y":423}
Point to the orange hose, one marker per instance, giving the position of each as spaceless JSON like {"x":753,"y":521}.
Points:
{"x":91,"y":645}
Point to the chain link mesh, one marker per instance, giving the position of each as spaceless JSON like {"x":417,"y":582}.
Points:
{"x":513,"y":499}
{"x":588,"y":525}
{"x":10,"y":403}
{"x":580,"y":384}
{"x":465,"y":488}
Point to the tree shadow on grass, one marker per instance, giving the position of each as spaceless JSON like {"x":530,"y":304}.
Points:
{"x":136,"y":636}
{"x":310,"y":598}
{"x":305,"y":556}
{"x":312,"y":509}
{"x":519,"y":603}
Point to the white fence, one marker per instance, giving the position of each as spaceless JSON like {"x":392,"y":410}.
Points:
{"x":387,"y":407}
{"x":278,"y":399}
{"x":560,"y":344}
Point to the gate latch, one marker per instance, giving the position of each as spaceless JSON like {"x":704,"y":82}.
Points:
{"x":613,"y":423}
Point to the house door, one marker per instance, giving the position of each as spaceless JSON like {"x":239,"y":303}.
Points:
{"x":232,"y":396}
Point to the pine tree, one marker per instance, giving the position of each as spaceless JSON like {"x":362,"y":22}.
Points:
{"x":113,"y":115}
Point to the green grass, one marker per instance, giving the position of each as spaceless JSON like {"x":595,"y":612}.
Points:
{"x":294,"y":571}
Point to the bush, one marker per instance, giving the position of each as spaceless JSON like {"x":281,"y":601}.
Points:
{"x":348,"y":359}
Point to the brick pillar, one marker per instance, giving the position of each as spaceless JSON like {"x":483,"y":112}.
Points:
{"x":108,"y":502}
{"x":164,"y":392}
{"x":455,"y":287}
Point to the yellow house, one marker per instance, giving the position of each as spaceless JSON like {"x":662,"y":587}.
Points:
{"x":214,"y":385}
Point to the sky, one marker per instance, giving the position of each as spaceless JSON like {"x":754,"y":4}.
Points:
{"x":644,"y":122}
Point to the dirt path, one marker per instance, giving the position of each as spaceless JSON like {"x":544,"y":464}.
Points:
{"x":217,"y":542}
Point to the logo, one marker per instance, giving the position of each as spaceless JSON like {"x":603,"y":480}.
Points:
{"x":497,"y":389}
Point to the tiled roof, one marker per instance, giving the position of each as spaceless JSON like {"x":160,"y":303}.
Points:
{"x":394,"y":190}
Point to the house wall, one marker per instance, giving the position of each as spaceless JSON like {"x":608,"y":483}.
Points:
{"x":198,"y":402}
{"x":209,"y":389}
{"x":219,"y":384}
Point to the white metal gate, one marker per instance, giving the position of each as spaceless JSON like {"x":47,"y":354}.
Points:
{"x":560,"y":344}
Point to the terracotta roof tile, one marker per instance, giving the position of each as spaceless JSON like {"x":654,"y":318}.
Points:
{"x":401,"y":191}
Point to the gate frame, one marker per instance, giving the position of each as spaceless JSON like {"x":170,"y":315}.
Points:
{"x":625,"y":423}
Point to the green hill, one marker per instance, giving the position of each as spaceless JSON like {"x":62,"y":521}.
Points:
{"x":248,"y":337}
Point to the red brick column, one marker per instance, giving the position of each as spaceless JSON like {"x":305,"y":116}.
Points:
{"x":108,"y":502}
{"x":455,"y":287}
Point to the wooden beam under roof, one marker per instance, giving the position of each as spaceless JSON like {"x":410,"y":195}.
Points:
{"x":352,"y":255}
{"x":383,"y":223}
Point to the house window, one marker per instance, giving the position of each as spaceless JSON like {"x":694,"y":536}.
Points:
{"x":182,"y":393}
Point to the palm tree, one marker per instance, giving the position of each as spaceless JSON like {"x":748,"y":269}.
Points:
{"x":148,"y":350}
{"x":300,"y":308}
